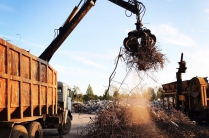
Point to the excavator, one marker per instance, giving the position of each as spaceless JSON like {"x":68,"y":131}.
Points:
{"x":137,"y":38}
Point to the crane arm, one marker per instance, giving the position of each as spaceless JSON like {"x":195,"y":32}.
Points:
{"x":66,"y":29}
{"x":74,"y":19}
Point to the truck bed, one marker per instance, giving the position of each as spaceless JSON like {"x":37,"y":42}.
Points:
{"x":28,"y":84}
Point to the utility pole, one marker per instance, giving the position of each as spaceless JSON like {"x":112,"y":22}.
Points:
{"x":182,"y":69}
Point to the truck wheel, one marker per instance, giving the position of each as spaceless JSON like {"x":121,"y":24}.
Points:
{"x":66,"y":127}
{"x":19,"y":131}
{"x":35,"y":130}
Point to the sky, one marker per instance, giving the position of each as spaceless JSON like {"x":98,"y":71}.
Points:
{"x":88,"y":54}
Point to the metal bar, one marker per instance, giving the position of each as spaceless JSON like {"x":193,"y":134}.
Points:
{"x":70,"y":17}
{"x":31,"y":88}
{"x":20,"y":85}
{"x":65,"y":31}
{"x":205,"y":95}
{"x":39,"y":88}
{"x":8,"y":87}
{"x":202,"y":96}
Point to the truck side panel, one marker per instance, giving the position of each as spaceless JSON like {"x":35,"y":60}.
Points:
{"x":28,"y":85}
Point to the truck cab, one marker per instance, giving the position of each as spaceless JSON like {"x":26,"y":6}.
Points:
{"x":64,"y":95}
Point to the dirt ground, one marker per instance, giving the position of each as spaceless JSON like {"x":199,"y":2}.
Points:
{"x":78,"y":123}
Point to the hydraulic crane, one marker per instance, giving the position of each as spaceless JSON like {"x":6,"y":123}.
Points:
{"x":131,"y":43}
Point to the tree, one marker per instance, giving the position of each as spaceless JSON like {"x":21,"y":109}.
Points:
{"x":78,"y":95}
{"x":106,"y":95}
{"x":101,"y":97}
{"x":124,"y":93}
{"x":89,"y":94}
{"x":149,"y":94}
{"x":159,"y":93}
{"x":89,"y":91}
{"x":153,"y":95}
{"x":116,"y":95}
{"x":74,"y":92}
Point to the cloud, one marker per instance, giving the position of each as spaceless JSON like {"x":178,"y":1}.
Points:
{"x":206,"y":10}
{"x":77,"y":72}
{"x":197,"y":62}
{"x":127,"y":30}
{"x":6,"y":8}
{"x":172,"y":35}
{"x":199,"y":55}
{"x":110,"y":56}
{"x":33,"y":44}
{"x":81,"y":58}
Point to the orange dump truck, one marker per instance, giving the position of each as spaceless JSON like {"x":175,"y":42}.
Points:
{"x":28,"y":95}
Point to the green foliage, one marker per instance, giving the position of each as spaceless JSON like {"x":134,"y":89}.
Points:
{"x":149,"y":94}
{"x":89,"y":91}
{"x":75,"y":91}
{"x":85,"y":98}
{"x":89,"y":94}
{"x":101,"y":97}
{"x":95,"y":97}
{"x":106,"y":96}
{"x":159,"y":93}
{"x":116,"y":95}
{"x":79,"y":97}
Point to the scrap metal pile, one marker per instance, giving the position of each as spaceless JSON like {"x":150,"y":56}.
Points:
{"x":121,"y":121}
{"x":144,"y":58}
{"x":90,"y":107}
{"x":176,"y":124}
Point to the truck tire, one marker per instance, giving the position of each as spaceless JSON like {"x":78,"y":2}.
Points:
{"x":66,"y":127}
{"x":35,"y":130}
{"x":19,"y":131}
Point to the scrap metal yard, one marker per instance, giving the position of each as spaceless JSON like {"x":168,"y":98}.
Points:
{"x":138,"y":120}
{"x":40,"y":95}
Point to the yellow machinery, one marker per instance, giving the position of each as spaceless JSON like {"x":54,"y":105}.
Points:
{"x":194,"y":97}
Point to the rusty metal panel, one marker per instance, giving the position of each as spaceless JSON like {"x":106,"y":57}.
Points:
{"x":50,"y":76}
{"x":35,"y":70}
{"x":35,"y":94}
{"x":55,"y":78}
{"x":55,"y":97}
{"x":43,"y":95}
{"x":26,"y":96}
{"x":14,"y":62}
{"x":43,"y":73}
{"x":3,"y":94}
{"x":50,"y":96}
{"x":25,"y":67}
{"x":23,"y":75}
{"x":2,"y":59}
{"x":14,"y":93}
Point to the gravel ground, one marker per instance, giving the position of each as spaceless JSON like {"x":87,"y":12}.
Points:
{"x":78,"y":123}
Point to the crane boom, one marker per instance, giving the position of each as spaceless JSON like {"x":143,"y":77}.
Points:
{"x":73,"y":20}
{"x":65,"y":30}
